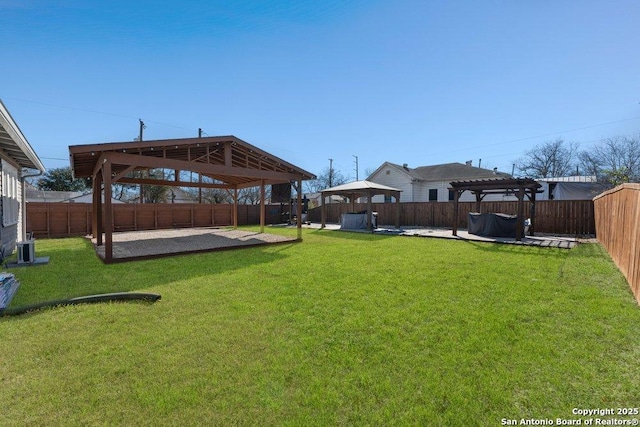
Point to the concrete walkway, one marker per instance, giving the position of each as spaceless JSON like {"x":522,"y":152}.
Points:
{"x":542,"y":240}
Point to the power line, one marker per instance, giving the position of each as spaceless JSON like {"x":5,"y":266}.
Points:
{"x":86,"y":110}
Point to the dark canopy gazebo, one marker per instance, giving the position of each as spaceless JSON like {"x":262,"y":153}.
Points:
{"x":357,"y":189}
{"x":230,"y":162}
{"x":519,"y":187}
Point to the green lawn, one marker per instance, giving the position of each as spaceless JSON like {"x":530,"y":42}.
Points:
{"x":343,"y":328}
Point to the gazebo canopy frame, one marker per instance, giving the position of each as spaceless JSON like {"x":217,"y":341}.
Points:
{"x":231,"y":163}
{"x":520,"y":187}
{"x":356,"y":190}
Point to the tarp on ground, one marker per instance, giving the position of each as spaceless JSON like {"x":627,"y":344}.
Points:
{"x":492,"y":224}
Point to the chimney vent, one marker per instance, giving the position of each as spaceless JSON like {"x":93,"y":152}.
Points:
{"x":495,"y":171}
{"x":405,"y":165}
{"x":469,"y":162}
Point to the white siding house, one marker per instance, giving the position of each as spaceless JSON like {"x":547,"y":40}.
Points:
{"x":16,"y":156}
{"x":431,"y":183}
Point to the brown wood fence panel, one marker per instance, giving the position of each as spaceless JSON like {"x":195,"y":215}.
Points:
{"x":74,"y":219}
{"x":574,"y":217}
{"x":617,"y":216}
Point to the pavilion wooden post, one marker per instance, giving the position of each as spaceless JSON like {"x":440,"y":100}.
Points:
{"x":262,"y":206}
{"x":520,"y":218}
{"x":108,"y":213}
{"x":456,"y":198}
{"x":478,"y":195}
{"x":532,"y":212}
{"x":235,"y":208}
{"x":398,"y":208}
{"x":97,"y":208}
{"x":323,"y":212}
{"x":369,"y":213}
{"x":299,"y":221}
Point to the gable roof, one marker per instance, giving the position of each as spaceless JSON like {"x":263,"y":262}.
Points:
{"x":14,"y":144}
{"x":226,"y":159}
{"x":446,"y":172}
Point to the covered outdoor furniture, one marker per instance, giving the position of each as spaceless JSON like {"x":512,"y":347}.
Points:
{"x":492,"y":224}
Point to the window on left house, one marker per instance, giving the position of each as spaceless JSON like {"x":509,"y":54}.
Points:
{"x":10,"y":201}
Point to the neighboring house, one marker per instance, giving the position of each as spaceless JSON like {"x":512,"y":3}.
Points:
{"x":87,"y":198}
{"x":33,"y":195}
{"x":432,"y":183}
{"x":48,"y":196}
{"x":18,"y":161}
{"x":571,"y":188}
{"x":315,"y":199}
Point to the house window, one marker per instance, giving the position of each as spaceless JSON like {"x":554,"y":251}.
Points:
{"x":10,"y":202}
{"x":387,"y":172}
{"x":451,"y":196}
{"x":433,"y":195}
{"x":387,"y":198}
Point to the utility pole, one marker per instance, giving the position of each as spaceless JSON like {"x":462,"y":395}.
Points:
{"x":330,"y":173}
{"x":356,"y":167}
{"x":142,"y":127}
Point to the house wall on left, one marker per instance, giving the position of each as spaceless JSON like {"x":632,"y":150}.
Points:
{"x":17,"y":160}
{"x":10,"y":204}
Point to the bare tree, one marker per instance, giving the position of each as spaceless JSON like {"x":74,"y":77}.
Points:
{"x":614,"y":160}
{"x":550,"y":159}
{"x":251,"y":195}
{"x":330,"y":177}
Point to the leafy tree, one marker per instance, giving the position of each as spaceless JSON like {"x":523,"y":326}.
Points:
{"x":549,"y":159}
{"x":61,"y":179}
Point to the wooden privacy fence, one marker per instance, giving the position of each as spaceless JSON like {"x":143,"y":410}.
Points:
{"x":574,"y":217}
{"x":74,"y":219}
{"x":617,"y":214}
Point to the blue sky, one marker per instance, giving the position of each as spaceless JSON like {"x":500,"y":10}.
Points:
{"x":417,"y":82}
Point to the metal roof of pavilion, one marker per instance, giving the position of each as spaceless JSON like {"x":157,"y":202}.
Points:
{"x":360,"y":187}
{"x":228,"y":160}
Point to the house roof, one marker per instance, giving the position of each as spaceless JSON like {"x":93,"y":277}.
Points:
{"x":36,"y":195}
{"x":14,"y":144}
{"x":446,"y":172}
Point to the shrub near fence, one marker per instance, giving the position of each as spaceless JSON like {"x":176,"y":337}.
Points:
{"x":574,"y":217}
{"x":617,"y":214}
{"x":74,"y":219}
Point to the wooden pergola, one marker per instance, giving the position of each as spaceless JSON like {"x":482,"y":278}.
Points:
{"x":229,"y":162}
{"x":519,"y":187}
{"x":356,"y":190}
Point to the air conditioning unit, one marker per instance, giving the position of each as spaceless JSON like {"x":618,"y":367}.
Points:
{"x":26,"y":252}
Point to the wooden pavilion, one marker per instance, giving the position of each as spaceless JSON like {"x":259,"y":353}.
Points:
{"x":231,"y":164}
{"x":519,"y":187}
